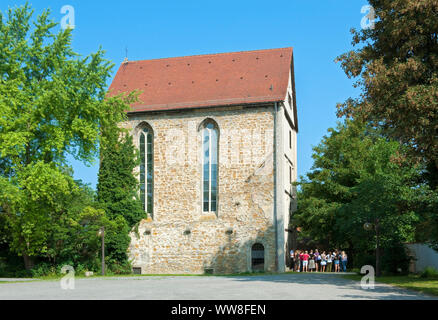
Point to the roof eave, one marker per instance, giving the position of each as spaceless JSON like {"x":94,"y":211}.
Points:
{"x":248,"y":104}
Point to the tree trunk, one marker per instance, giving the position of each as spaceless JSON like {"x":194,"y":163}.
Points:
{"x":28,"y":261}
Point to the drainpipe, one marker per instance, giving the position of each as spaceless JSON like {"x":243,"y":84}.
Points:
{"x":279,"y":190}
{"x":275,"y":184}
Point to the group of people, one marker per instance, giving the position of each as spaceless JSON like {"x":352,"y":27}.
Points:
{"x":313,"y":261}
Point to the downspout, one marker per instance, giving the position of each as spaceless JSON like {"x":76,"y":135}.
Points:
{"x":275,"y":185}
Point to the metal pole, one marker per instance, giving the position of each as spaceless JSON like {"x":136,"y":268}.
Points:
{"x":377,"y":249}
{"x":103,"y":251}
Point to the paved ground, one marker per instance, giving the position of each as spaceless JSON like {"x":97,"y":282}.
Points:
{"x":284,"y":286}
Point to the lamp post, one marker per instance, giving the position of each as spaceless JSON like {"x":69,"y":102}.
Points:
{"x":368,"y":226}
{"x":101,"y":233}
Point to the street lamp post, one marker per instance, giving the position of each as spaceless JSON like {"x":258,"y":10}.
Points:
{"x":368,"y":226}
{"x":101,"y":233}
{"x":377,"y":248}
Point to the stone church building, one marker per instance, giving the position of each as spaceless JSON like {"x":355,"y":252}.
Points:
{"x":217,"y":140}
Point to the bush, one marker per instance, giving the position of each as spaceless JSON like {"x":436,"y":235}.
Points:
{"x":363,"y":259}
{"x":394,"y":258}
{"x":12,"y":265}
{"x":116,"y":267}
{"x":429,"y":272}
{"x":43,"y":269}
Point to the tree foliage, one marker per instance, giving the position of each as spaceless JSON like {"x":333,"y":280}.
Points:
{"x":117,"y":191}
{"x":53,"y":103}
{"x":396,"y":64}
{"x":358,"y":176}
{"x":117,"y":187}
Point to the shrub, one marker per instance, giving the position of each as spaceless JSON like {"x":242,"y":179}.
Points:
{"x":43,"y":269}
{"x":363,"y":259}
{"x":393,"y":258}
{"x":429,"y":272}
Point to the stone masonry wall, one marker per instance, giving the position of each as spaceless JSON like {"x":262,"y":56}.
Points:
{"x":180,"y":238}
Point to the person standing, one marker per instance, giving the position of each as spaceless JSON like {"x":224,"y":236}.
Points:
{"x":311,"y":261}
{"x":329,"y":262}
{"x":292,"y":257}
{"x":323,"y":261}
{"x":297,"y":261}
{"x":344,"y":260}
{"x":317,"y":260}
{"x":336,"y":260}
{"x":305,"y":261}
{"x":302,"y":261}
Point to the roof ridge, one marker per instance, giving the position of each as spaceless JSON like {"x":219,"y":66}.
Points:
{"x":210,"y":54}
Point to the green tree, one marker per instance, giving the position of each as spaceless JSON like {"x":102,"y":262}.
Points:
{"x":117,"y":192}
{"x":52,"y":103}
{"x":85,"y":246}
{"x":358,"y":176}
{"x":396,"y":66}
{"x":117,"y":187}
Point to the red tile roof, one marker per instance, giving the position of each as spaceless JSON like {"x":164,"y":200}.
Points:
{"x":206,"y":80}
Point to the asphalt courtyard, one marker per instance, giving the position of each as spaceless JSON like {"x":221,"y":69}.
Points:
{"x":264,"y":287}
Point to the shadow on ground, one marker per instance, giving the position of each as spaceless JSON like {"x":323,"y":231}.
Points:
{"x":381,"y":291}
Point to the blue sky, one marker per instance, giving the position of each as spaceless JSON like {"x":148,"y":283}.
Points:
{"x":318,"y":30}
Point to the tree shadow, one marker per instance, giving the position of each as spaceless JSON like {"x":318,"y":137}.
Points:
{"x":342,"y":288}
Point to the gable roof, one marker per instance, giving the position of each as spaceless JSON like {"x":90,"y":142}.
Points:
{"x":233,"y":78}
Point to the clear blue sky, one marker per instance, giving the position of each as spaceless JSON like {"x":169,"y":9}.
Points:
{"x":318,"y":30}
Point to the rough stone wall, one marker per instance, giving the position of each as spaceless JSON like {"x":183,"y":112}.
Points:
{"x":180,"y":238}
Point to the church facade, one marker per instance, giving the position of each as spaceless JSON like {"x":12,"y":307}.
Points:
{"x":217,"y":140}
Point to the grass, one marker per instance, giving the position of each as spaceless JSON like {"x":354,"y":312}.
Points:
{"x":412,"y":282}
{"x":56,"y":277}
{"x":1,"y":282}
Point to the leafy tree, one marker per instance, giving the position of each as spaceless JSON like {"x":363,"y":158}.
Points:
{"x":117,"y":187}
{"x":358,"y":176}
{"x":52,"y":103}
{"x":117,"y":191}
{"x":85,"y":245}
{"x":397,"y":66}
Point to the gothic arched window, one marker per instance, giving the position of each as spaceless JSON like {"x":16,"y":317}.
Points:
{"x":209,"y":166}
{"x":147,"y":170}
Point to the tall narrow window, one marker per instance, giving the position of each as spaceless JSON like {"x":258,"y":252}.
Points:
{"x":209,"y":167}
{"x":146,"y":170}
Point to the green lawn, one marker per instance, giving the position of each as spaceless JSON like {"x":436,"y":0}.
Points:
{"x":413,"y":282}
